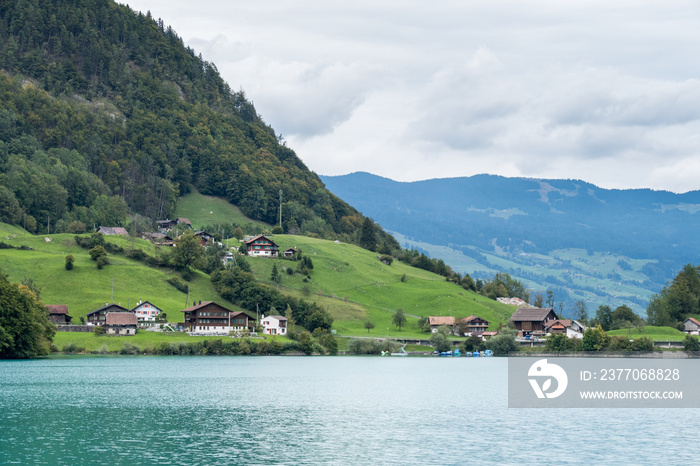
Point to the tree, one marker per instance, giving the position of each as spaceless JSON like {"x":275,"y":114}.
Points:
{"x":473,"y":343}
{"x":503,"y":343}
{"x":188,"y":251}
{"x":369,"y":325}
{"x":550,"y":298}
{"x":399,"y":318}
{"x":594,"y":339}
{"x":580,"y":312}
{"x":603,"y":317}
{"x":25,"y":329}
{"x":275,"y":275}
{"x":368,"y":239}
{"x":538,"y":299}
{"x":424,"y":324}
{"x":691,"y":343}
{"x":439,"y":339}
{"x":69,"y":261}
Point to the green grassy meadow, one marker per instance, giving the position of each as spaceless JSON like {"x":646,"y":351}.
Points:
{"x":651,"y":332}
{"x":204,"y":210}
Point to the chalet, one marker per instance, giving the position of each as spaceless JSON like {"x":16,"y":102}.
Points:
{"x":691,"y":326}
{"x":437,"y":321}
{"x":113,"y":231}
{"x":58,"y":314}
{"x":165,"y":225}
{"x":146,"y":311}
{"x":120,"y":323}
{"x":472,"y":324}
{"x":571,"y":328}
{"x":204,"y":237}
{"x":183,"y":221}
{"x":212,"y":318}
{"x":97,"y":317}
{"x":260,"y":246}
{"x":274,"y":325}
{"x":290,"y":253}
{"x":532,"y":320}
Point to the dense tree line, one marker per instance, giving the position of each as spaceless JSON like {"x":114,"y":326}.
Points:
{"x":104,"y":111}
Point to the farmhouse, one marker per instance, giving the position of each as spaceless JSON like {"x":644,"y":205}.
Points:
{"x":274,"y":325}
{"x":120,"y":323}
{"x":472,"y":324}
{"x":113,"y":231}
{"x":97,"y":317}
{"x":532,"y":320}
{"x":146,"y":312}
{"x":58,"y":313}
{"x":261,"y":246}
{"x":212,"y":318}
{"x":165,"y":225}
{"x":691,"y":326}
{"x":437,"y":321}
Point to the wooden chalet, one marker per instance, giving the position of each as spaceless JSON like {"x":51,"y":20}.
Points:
{"x":165,"y":225}
{"x":261,"y":246}
{"x":436,"y":321}
{"x":98,"y":316}
{"x":183,"y":220}
{"x":58,"y":314}
{"x":210,"y":317}
{"x":557,"y":326}
{"x":204,"y":237}
{"x":290,"y":253}
{"x":691,"y":326}
{"x":120,"y":323}
{"x":533,"y":320}
{"x":472,"y":324}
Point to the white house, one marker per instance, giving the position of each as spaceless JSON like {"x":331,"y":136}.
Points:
{"x":146,"y":312}
{"x":274,"y":325}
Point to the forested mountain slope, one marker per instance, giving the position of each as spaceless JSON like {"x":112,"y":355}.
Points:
{"x":104,"y":111}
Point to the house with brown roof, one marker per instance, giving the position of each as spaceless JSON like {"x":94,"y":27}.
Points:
{"x":113,"y":231}
{"x":120,"y":323}
{"x":274,"y":325}
{"x":436,"y":321}
{"x":58,"y":314}
{"x":261,"y":246}
{"x":209,"y":318}
{"x":691,"y":326}
{"x":470,"y":325}
{"x":98,"y":316}
{"x":532,"y":320}
{"x":571,"y":328}
{"x":183,"y":220}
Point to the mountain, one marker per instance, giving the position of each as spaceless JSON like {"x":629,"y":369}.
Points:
{"x":104,"y":113}
{"x":585,"y":242}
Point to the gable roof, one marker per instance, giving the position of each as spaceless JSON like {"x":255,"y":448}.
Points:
{"x":441,"y":320}
{"x":566,"y":323}
{"x":183,"y":220}
{"x":280,"y":318}
{"x":259,"y":237}
{"x":205,"y":304}
{"x":117,"y":308}
{"x":57,"y":308}
{"x":472,"y":317}
{"x":113,"y":231}
{"x":533,"y":314}
{"x":121,"y":318}
{"x":145,"y":302}
{"x":693,"y":320}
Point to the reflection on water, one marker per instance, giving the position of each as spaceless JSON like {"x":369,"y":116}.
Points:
{"x":292,"y":410}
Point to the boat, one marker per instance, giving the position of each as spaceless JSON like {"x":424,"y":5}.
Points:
{"x":402,"y":353}
{"x":488,"y":353}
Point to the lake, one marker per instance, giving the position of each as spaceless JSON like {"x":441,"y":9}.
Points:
{"x":310,"y":410}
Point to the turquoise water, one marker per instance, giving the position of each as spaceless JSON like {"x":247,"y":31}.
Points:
{"x":310,"y":410}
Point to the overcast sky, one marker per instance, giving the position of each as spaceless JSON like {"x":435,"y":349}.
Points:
{"x":603,"y":91}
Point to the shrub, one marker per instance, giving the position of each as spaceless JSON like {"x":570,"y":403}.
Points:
{"x":72,"y":348}
{"x":69,"y":261}
{"x":128,"y":348}
{"x":102,"y":261}
{"x":98,"y":330}
{"x":137,"y":255}
{"x":691,"y":343}
{"x":178,"y":284}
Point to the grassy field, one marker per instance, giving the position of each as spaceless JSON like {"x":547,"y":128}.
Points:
{"x":651,"y":332}
{"x":204,"y":210}
{"x":86,"y":288}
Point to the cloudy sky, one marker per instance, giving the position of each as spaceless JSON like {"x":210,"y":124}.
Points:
{"x":599,"y":90}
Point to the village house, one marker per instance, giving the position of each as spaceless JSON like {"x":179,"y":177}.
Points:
{"x":212,"y":318}
{"x":97,"y":317}
{"x":436,"y":321}
{"x":165,"y":225}
{"x":183,"y":221}
{"x":290,"y":253}
{"x":532,"y":321}
{"x":691,"y":326}
{"x":471,"y":325}
{"x":274,"y":325}
{"x":204,"y":237}
{"x":260,"y":246}
{"x":120,"y":323}
{"x":146,"y":312}
{"x":58,"y":314}
{"x":113,"y":231}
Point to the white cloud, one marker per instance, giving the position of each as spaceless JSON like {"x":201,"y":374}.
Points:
{"x":608,"y":92}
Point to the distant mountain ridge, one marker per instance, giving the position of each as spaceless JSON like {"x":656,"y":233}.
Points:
{"x":517,"y":217}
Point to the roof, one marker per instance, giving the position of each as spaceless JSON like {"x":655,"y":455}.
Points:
{"x":472,"y":317}
{"x":236,"y":314}
{"x":441,"y":320}
{"x":534,"y":314}
{"x":57,"y":308}
{"x":145,"y":302}
{"x":566,"y":323}
{"x":121,"y":318}
{"x":258,"y":237}
{"x":280,"y":318}
{"x":108,"y":306}
{"x":490,"y":334}
{"x":203,"y":304}
{"x":113,"y":231}
{"x":183,"y":220}
{"x":688,"y":319}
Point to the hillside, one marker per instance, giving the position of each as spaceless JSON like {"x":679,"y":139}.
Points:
{"x":347,"y":280}
{"x":105,"y":115}
{"x":586,"y":243}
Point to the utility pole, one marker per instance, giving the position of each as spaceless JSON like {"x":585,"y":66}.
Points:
{"x":112,"y":289}
{"x":280,"y":208}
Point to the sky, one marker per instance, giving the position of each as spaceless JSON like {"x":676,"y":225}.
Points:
{"x":603,"y":91}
